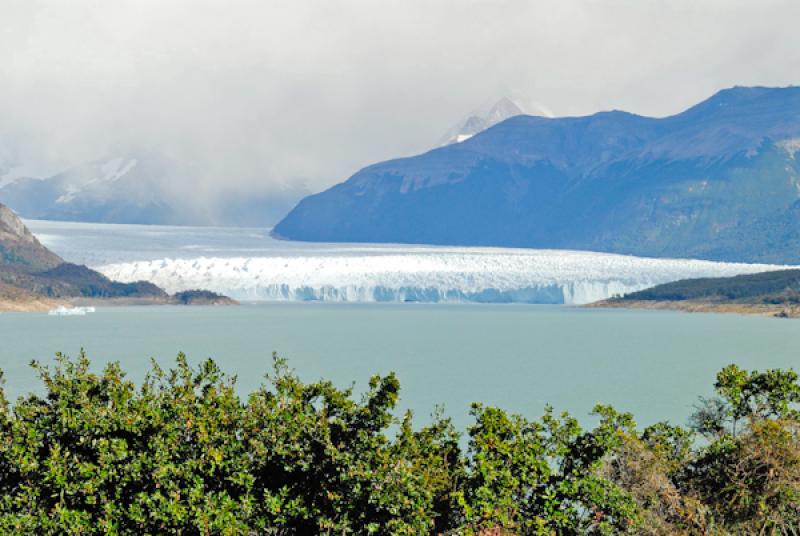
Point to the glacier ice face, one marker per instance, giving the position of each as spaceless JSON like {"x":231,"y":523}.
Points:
{"x":430,"y":274}
{"x":247,"y":264}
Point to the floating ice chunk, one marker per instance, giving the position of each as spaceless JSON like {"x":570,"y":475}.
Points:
{"x":70,"y":311}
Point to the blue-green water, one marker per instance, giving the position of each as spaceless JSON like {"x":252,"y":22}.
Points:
{"x":519,"y":357}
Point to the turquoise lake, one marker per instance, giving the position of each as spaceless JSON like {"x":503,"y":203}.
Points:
{"x":519,"y":357}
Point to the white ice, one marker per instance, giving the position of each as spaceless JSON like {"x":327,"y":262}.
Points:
{"x":398,"y":274}
{"x":248,"y":264}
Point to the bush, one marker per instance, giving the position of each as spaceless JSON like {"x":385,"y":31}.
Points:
{"x":184,"y":454}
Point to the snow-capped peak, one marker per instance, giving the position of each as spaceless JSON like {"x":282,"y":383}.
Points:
{"x":503,"y":109}
{"x":483,"y":118}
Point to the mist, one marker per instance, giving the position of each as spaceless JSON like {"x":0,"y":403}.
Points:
{"x":297,"y":95}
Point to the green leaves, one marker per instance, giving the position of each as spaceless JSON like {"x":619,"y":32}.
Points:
{"x":746,"y":396}
{"x":183,"y":454}
{"x":543,"y":477}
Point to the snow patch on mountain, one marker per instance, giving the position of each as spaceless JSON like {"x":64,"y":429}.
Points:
{"x":791,"y":146}
{"x":70,"y":191}
{"x":92,"y":176}
{"x":483,"y":118}
{"x":116,"y":168}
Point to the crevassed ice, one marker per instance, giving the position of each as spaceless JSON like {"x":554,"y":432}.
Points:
{"x":480,"y":275}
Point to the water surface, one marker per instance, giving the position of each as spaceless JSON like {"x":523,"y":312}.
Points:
{"x":520,"y":357}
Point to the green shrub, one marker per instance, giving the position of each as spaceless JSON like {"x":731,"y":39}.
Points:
{"x":183,"y":454}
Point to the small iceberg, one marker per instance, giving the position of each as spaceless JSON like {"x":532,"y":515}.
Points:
{"x":70,"y":311}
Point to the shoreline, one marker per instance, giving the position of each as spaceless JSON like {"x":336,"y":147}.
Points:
{"x":697,"y":306}
{"x":22,"y":303}
{"x":17,"y":300}
{"x":29,"y":306}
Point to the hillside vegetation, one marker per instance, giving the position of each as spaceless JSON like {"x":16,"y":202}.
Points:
{"x":767,"y":293}
{"x":182,"y":453}
{"x":781,"y":286}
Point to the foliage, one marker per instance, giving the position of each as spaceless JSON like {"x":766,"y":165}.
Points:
{"x":199,"y":296}
{"x":743,"y":478}
{"x":776,"y":287}
{"x":183,"y":454}
{"x":543,"y":477}
{"x":749,"y":473}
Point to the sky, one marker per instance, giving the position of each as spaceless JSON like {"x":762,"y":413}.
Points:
{"x":271,"y":95}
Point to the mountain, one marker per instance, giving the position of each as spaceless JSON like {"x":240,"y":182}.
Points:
{"x":138,"y":187}
{"x":19,"y":248}
{"x":118,"y":190}
{"x":32,"y":276}
{"x":480,"y":120}
{"x":719,"y":181}
{"x":30,"y":267}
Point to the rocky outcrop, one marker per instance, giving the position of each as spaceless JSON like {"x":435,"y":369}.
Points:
{"x":19,"y":249}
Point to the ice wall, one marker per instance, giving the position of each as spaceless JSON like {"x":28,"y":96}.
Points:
{"x":423,"y":275}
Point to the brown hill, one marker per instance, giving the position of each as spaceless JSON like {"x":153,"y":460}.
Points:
{"x":33,"y":278}
{"x":19,"y":249}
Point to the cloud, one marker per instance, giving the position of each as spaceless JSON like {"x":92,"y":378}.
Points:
{"x":267,"y":95}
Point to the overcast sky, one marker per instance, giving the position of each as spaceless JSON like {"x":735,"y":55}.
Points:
{"x":269,"y":92}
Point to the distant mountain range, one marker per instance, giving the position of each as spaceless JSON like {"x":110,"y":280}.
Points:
{"x":719,"y":181}
{"x":121,"y":189}
{"x":136,"y":188}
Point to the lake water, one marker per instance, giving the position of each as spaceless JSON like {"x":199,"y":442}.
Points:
{"x":519,"y":357}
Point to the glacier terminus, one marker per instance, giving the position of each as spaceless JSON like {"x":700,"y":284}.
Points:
{"x":248,"y":265}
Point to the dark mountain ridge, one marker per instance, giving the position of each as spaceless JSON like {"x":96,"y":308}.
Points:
{"x":695,"y":184}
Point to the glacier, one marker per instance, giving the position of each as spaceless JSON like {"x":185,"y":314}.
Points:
{"x":249,"y":265}
{"x":421,"y":274}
